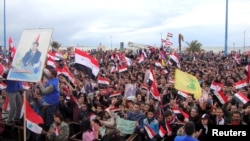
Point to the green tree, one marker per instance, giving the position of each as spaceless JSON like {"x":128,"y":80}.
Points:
{"x":55,"y":45}
{"x":194,"y":46}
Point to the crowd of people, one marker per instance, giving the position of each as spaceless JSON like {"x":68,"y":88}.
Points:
{"x":92,"y":109}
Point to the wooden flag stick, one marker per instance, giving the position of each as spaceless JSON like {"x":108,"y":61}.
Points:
{"x":24,"y":116}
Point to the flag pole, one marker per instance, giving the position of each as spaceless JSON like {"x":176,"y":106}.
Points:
{"x":24,"y":116}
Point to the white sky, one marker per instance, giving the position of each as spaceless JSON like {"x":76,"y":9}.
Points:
{"x":90,"y":22}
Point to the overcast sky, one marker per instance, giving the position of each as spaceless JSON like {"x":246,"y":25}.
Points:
{"x":90,"y":22}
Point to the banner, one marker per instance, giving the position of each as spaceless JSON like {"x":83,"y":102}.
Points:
{"x":187,"y":83}
{"x":29,"y":59}
{"x":125,"y":126}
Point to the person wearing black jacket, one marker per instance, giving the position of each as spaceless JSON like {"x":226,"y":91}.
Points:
{"x":203,"y":127}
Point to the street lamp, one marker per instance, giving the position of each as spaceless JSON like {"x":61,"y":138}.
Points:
{"x":4,"y":26}
{"x":161,"y":40}
{"x":111,"y":42}
{"x":244,"y":40}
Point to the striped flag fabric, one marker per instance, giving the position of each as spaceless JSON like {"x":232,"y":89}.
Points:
{"x":102,"y":80}
{"x":86,"y":60}
{"x":122,"y":69}
{"x":178,"y":111}
{"x":240,"y":84}
{"x":221,"y":97}
{"x":149,"y":131}
{"x":216,"y":86}
{"x":241,"y":97}
{"x":2,"y":86}
{"x":183,"y":94}
{"x":170,"y":34}
{"x":32,"y":118}
{"x":26,"y":86}
{"x":162,"y":132}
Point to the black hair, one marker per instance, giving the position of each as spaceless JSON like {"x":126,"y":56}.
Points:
{"x":59,"y":115}
{"x":85,"y":125}
{"x":189,"y":128}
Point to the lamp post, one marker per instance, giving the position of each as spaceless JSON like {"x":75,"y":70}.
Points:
{"x":161,"y":40}
{"x":111,"y":42}
{"x":244,"y":41}
{"x":225,"y":51}
{"x":4,"y":26}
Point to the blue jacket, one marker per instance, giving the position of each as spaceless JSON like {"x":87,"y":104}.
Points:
{"x":13,"y":86}
{"x":139,"y":117}
{"x":153,"y":125}
{"x":53,"y":97}
{"x":185,"y":138}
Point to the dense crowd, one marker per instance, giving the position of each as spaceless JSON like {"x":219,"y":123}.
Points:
{"x":91,"y":109}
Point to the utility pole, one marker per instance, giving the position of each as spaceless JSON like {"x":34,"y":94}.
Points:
{"x":111,"y":42}
{"x":244,"y":41}
{"x":225,"y":51}
{"x":4,"y":27}
{"x":161,"y":40}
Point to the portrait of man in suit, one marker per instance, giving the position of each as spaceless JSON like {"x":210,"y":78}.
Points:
{"x":32,"y":57}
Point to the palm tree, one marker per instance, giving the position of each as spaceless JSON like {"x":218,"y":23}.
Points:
{"x":180,"y":39}
{"x":55,"y":45}
{"x":194,"y":46}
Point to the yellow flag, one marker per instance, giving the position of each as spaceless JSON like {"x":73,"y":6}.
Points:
{"x":163,"y":63}
{"x":187,"y":83}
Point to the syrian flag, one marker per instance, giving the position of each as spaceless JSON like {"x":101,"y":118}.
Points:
{"x":92,"y":116}
{"x":86,"y":61}
{"x":178,"y":111}
{"x":32,"y":119}
{"x":153,"y":88}
{"x":6,"y":105}
{"x":164,"y":71}
{"x":12,"y":49}
{"x":241,"y":97}
{"x":236,"y":59}
{"x":221,"y":96}
{"x":216,"y":86}
{"x":248,"y":72}
{"x":171,"y":81}
{"x":2,"y":86}
{"x":113,"y":69}
{"x":26,"y":86}
{"x":149,"y":131}
{"x":175,"y":59}
{"x":158,"y":64}
{"x":122,"y":69}
{"x":55,"y":55}
{"x":144,"y":86}
{"x":102,"y":80}
{"x":67,"y":73}
{"x":168,"y":127}
{"x":240,"y":84}
{"x":50,"y":62}
{"x":162,"y":132}
{"x":170,"y":34}
{"x":183,"y":94}
{"x":141,"y":58}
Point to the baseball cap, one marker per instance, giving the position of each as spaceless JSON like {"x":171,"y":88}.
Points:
{"x":205,"y":116}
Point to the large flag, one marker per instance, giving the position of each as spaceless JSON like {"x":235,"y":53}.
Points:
{"x":87,"y":61}
{"x":187,"y":83}
{"x":241,"y":97}
{"x":32,"y":119}
{"x":12,"y":49}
